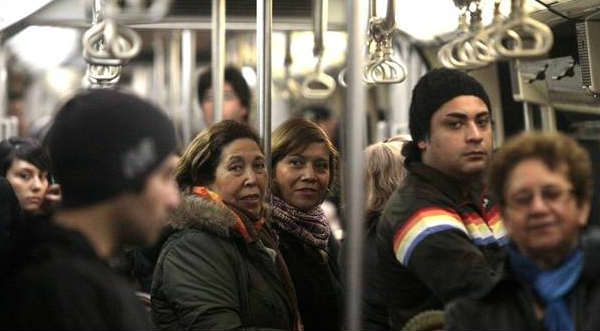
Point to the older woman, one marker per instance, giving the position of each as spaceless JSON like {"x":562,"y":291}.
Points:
{"x":221,"y":269}
{"x":25,"y":164}
{"x":543,"y":181}
{"x":384,"y":171}
{"x":304,"y":162}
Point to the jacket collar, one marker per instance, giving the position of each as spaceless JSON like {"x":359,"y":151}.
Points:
{"x":456,"y":189}
{"x":202,"y":209}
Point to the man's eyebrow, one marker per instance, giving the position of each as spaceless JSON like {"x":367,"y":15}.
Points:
{"x":458,"y":116}
{"x":463,"y":116}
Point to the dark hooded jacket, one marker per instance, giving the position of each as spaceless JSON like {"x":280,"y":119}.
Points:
{"x":57,"y":282}
{"x":210,"y":277}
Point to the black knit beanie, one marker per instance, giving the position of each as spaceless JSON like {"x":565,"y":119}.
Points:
{"x":434,"y":89}
{"x":104,"y":142}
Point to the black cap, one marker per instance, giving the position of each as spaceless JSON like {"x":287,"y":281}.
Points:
{"x":104,"y":142}
{"x":433,"y":90}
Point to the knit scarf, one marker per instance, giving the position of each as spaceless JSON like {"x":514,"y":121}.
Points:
{"x":551,"y":285}
{"x":310,"y":227}
{"x":252,"y":228}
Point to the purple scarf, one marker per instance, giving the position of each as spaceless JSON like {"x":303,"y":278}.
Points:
{"x":310,"y":227}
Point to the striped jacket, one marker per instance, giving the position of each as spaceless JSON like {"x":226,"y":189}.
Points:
{"x":437,"y":240}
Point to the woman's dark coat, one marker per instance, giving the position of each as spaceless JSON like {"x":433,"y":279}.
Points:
{"x":316,"y":277}
{"x":509,"y":304}
{"x":209,"y":278}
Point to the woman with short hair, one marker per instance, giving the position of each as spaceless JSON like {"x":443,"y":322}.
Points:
{"x":221,"y":268}
{"x":304,"y":164}
{"x":551,"y":281}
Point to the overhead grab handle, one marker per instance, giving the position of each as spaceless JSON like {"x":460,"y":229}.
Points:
{"x":290,"y":85}
{"x":107,"y":46}
{"x":382,"y":67}
{"x":319,"y":85}
{"x":108,"y":43}
{"x":467,"y":49}
{"x":448,"y":54}
{"x":535,"y":38}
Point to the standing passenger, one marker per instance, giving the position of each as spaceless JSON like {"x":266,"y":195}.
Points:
{"x":236,"y":96}
{"x":304,"y":163}
{"x":439,"y":236}
{"x":113,"y":155}
{"x":384,"y":172}
{"x":551,"y":280}
{"x":221,"y":268}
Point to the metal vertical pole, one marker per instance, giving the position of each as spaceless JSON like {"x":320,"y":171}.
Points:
{"x":188,"y":68}
{"x":548,"y":119}
{"x":159,"y":71}
{"x":354,"y":133}
{"x":175,"y":80}
{"x":528,"y":117}
{"x":3,"y":83}
{"x":218,"y":58}
{"x":264,"y":18}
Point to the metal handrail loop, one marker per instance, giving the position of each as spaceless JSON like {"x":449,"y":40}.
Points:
{"x":382,"y":68}
{"x":108,"y":43}
{"x":527,"y":28}
{"x":319,"y":85}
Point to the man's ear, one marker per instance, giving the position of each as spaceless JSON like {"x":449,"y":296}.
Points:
{"x":422,"y":144}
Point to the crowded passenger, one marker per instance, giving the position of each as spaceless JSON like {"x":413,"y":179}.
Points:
{"x":236,"y":96}
{"x":384,"y":172}
{"x":324,"y":118}
{"x":440,"y":236}
{"x":113,"y":155}
{"x":25,"y":164}
{"x":221,"y":269}
{"x":24,"y":172}
{"x":551,"y":280}
{"x":304,"y":164}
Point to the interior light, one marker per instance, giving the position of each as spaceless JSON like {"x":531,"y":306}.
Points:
{"x":44,"y":47}
{"x":249,"y":75}
{"x":411,"y":15}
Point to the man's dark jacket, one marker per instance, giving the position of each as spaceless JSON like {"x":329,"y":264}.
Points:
{"x":57,"y":282}
{"x":509,"y":304}
{"x":438,"y":239}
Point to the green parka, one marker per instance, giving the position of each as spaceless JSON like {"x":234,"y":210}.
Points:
{"x":209,"y":277}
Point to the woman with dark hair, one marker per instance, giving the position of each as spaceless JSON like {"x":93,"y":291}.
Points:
{"x":304,"y":162}
{"x":25,"y":164}
{"x":221,"y":268}
{"x":236,"y":96}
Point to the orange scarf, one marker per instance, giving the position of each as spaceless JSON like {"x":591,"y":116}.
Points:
{"x":249,"y":236}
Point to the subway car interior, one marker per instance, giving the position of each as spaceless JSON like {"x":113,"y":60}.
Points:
{"x":539,"y":61}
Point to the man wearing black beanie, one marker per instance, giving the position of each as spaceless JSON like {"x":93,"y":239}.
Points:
{"x":113,"y":155}
{"x":440,"y":236}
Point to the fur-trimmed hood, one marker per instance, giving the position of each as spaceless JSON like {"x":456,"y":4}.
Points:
{"x":202,"y":214}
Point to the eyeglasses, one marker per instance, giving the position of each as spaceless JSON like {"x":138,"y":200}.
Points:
{"x":551,"y":195}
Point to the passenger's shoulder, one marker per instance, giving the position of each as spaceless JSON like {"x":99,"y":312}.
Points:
{"x":67,"y":275}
